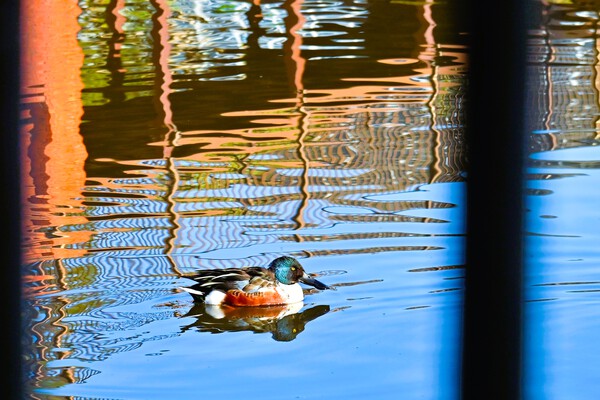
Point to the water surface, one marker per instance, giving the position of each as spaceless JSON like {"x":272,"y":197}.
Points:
{"x":562,"y":255}
{"x":165,"y":137}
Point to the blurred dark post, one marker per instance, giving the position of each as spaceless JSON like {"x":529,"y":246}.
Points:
{"x":492,"y":365}
{"x":11,"y":226}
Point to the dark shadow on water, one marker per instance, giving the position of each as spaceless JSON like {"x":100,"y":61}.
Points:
{"x":284,"y":322}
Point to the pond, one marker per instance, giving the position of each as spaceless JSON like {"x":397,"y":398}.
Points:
{"x":161,"y":138}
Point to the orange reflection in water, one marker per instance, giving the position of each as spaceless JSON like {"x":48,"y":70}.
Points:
{"x":315,"y":129}
{"x":53,"y":151}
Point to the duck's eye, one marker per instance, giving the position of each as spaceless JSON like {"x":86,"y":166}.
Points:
{"x":293,"y":268}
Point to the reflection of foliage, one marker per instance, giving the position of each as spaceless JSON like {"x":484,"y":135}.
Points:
{"x":112,"y":52}
{"x":229,"y":7}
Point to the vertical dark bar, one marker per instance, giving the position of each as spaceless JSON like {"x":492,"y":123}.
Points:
{"x":11,"y":226}
{"x":492,"y":366}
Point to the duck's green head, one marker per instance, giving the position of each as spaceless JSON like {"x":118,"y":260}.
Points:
{"x":288,"y":271}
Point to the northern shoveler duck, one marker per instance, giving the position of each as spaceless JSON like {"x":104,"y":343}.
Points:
{"x":253,"y":286}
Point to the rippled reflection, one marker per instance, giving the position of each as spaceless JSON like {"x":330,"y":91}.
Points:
{"x":291,"y":169}
{"x":165,"y":137}
{"x":162,"y":137}
{"x":562,"y":309}
{"x":283,"y":322}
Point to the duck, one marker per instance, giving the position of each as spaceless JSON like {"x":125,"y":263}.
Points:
{"x":275,"y":285}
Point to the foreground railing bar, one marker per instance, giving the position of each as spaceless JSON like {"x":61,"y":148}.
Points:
{"x":10,"y":223}
{"x":492,"y":329}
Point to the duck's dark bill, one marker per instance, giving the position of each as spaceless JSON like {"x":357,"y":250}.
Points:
{"x":313,"y":282}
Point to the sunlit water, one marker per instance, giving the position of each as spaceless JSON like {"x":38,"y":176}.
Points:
{"x":563,"y":218}
{"x":165,"y":137}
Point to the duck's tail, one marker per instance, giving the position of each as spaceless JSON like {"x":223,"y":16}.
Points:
{"x":196,"y":294}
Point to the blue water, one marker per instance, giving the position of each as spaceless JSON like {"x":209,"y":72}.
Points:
{"x":214,"y":134}
{"x":563,"y":279}
{"x":145,"y":344}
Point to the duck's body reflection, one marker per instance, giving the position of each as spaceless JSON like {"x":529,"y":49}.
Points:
{"x":284,"y":322}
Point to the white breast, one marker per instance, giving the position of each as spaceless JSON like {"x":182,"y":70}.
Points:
{"x":291,"y":293}
{"x":214,"y":298}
